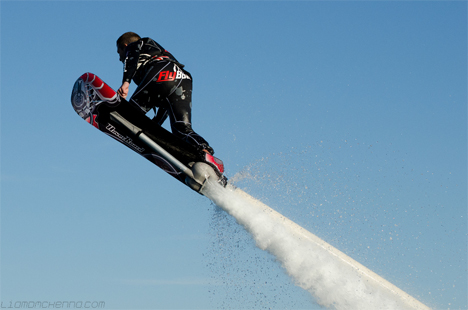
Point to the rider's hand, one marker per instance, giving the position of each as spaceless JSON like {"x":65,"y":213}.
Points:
{"x":123,"y":90}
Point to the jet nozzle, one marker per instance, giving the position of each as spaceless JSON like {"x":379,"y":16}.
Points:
{"x":201,"y":172}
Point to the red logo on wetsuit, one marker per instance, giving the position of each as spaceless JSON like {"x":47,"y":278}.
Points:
{"x":165,"y":76}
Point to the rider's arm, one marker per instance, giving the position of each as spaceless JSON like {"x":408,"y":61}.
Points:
{"x":131,"y":60}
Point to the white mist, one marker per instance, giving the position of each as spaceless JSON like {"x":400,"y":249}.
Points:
{"x":333,"y":279}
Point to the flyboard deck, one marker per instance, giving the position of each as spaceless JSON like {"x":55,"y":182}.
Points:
{"x":98,"y":104}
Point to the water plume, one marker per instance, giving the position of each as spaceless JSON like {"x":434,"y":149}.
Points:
{"x":332,"y":278}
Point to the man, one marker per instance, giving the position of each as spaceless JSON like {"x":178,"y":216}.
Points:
{"x":162,"y":83}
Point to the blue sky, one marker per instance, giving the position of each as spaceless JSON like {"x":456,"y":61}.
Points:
{"x":349,"y":116}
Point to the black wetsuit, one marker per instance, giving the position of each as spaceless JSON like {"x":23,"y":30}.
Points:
{"x":163,"y":84}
